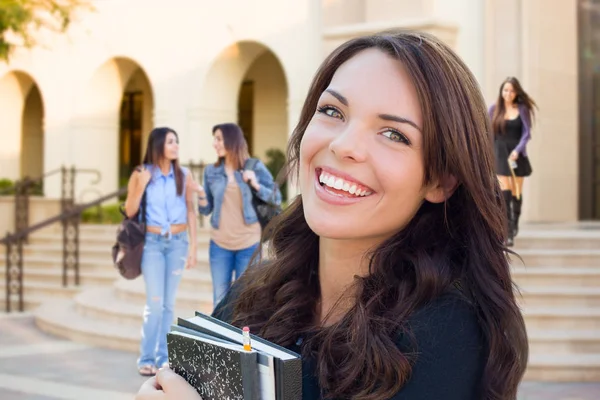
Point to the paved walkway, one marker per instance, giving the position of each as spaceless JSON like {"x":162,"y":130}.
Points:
{"x":36,"y":366}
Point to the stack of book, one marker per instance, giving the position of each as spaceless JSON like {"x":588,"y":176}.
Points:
{"x":210,"y":355}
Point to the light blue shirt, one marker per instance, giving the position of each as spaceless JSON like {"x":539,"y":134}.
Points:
{"x":163,"y":207}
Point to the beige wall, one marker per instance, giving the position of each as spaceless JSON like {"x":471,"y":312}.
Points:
{"x":194,"y":68}
{"x":194,"y":71}
{"x":538,"y":45}
{"x":40,"y":209}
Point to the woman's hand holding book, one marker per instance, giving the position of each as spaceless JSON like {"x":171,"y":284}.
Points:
{"x":167,"y":385}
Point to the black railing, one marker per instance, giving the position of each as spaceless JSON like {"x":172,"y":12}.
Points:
{"x":69,"y":217}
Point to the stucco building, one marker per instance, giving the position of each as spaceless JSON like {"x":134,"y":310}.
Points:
{"x":90,"y":96}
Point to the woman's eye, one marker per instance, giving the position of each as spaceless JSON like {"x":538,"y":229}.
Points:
{"x":396,"y":136}
{"x":330,"y":112}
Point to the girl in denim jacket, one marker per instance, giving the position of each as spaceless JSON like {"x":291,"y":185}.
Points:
{"x":227,"y":194}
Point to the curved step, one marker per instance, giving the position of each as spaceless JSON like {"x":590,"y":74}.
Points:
{"x":102,"y":304}
{"x":134,"y":292}
{"x":60,"y":318}
{"x":53,"y":276}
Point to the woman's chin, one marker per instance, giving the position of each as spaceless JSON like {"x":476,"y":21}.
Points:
{"x":333,"y":228}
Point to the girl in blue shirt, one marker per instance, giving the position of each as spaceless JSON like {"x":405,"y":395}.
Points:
{"x":170,"y":214}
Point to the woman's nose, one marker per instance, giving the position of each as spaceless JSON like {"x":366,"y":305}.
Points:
{"x":350,"y":144}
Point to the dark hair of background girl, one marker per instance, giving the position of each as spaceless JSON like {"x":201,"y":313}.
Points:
{"x":458,"y":242}
{"x":498,"y":122}
{"x":234,"y":142}
{"x":155,"y":151}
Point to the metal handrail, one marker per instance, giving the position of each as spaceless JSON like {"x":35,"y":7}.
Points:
{"x":76,"y":210}
{"x":31,"y":181}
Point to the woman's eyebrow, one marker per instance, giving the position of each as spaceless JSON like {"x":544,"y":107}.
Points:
{"x":385,"y":117}
{"x":402,"y":120}
{"x":338,"y":96}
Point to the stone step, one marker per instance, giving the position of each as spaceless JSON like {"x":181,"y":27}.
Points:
{"x":103,"y":304}
{"x":193,"y":280}
{"x":134,"y":292}
{"x":563,"y":367}
{"x":54,"y":276}
{"x":557,"y":276}
{"x":60,"y":318}
{"x":36,"y":293}
{"x":564,"y":341}
{"x":104,"y":240}
{"x":85,"y":250}
{"x":556,"y":257}
{"x":89,"y":263}
{"x":540,"y":238}
{"x":30,"y":303}
{"x":559,"y":296}
{"x":563,"y":318}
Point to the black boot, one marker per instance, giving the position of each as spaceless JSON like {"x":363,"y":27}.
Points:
{"x":507,"y":194}
{"x":516,"y":206}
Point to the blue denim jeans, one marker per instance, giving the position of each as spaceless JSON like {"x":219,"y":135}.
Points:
{"x":163,"y":263}
{"x":223,"y":263}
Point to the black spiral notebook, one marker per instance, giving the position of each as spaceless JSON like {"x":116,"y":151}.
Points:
{"x":210,"y":355}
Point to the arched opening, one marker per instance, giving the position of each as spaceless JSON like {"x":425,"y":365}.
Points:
{"x":32,"y":137}
{"x":134,"y":125}
{"x":112,"y":124}
{"x":247,"y":84}
{"x":262,"y":110}
{"x":22,"y":116}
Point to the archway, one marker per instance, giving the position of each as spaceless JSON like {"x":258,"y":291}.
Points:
{"x":22,"y":116}
{"x":247,"y":84}
{"x":262,"y":110}
{"x":112,"y":123}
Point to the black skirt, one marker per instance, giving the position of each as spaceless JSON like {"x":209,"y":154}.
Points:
{"x":504,"y":144}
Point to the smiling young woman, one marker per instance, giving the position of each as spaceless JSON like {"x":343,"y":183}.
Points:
{"x":388,"y":273}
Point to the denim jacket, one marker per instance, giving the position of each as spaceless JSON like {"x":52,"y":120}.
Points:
{"x":215,"y":182}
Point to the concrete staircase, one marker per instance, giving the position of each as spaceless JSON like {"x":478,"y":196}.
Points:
{"x":105,"y":309}
{"x":559,"y":283}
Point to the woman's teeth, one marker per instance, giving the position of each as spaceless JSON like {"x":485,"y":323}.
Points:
{"x":340,"y":184}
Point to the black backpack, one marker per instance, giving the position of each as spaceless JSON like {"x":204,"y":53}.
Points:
{"x":265,"y":211}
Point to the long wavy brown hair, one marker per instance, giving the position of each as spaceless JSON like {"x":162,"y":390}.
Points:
{"x":498,"y":122}
{"x":457,"y":242}
{"x":155,"y":152}
{"x":234,"y":142}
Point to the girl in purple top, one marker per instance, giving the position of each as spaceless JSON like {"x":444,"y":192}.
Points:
{"x":511,"y":122}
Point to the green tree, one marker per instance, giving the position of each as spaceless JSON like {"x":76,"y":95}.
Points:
{"x":21,"y":19}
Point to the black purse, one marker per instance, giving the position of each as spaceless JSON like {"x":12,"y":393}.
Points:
{"x":265,"y":211}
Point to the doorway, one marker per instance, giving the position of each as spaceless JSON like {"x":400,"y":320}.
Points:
{"x":589,"y":109}
{"x":130,"y":134}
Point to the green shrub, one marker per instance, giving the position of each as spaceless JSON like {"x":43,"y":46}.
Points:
{"x":7,"y":187}
{"x":275,"y":162}
{"x":108,"y":214}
